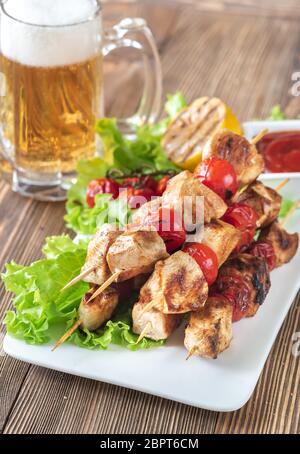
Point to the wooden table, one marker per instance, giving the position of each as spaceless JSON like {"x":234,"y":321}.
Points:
{"x":244,"y":52}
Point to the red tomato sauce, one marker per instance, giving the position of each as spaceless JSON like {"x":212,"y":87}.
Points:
{"x":281,"y":151}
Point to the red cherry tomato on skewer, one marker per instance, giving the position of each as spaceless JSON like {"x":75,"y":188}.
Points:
{"x":264,"y":250}
{"x":206,"y":259}
{"x":243,"y":218}
{"x":101,"y":186}
{"x":218,"y":175}
{"x":237,"y":293}
{"x":169,"y":227}
{"x":140,"y":183}
{"x":137,"y":197}
{"x":162,"y":185}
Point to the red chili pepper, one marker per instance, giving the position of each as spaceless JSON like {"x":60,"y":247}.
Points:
{"x":101,"y":186}
{"x":218,"y":175}
{"x":243,"y":218}
{"x":206,"y":259}
{"x":265,"y":250}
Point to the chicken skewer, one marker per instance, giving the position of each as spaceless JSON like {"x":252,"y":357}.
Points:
{"x":244,"y":219}
{"x":93,"y":315}
{"x":179,"y":189}
{"x":212,"y":322}
{"x":239,"y":152}
{"x":266,"y":202}
{"x":222,"y":239}
{"x":211,"y":237}
{"x":129,"y":254}
{"x":139,"y":321}
{"x":182,"y":186}
{"x":222,"y":244}
{"x":129,"y":249}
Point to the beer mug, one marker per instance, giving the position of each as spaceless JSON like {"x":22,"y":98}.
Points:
{"x":51,"y":56}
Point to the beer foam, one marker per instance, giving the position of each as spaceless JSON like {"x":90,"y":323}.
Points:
{"x":50,"y":33}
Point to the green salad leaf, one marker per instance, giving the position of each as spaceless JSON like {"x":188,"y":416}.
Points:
{"x":120,"y":153}
{"x":85,"y":220}
{"x":175,"y":103}
{"x":42,"y":313}
{"x":286,"y":205}
{"x":276,"y":114}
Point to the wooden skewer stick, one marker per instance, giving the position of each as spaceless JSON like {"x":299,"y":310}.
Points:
{"x":104,"y":286}
{"x":290,"y":213}
{"x":67,"y":335}
{"x":240,"y":192}
{"x":282,"y":184}
{"x":259,"y":136}
{"x":191,"y":353}
{"x":148,"y":307}
{"x":78,"y":278}
{"x":244,"y":188}
{"x":145,"y":331}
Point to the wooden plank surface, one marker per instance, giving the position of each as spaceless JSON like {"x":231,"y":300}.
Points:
{"x":244,"y":52}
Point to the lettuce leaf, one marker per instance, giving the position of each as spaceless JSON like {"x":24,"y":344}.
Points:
{"x":286,"y":205}
{"x":276,"y":114}
{"x":42,"y":313}
{"x":144,"y":153}
{"x":85,"y":220}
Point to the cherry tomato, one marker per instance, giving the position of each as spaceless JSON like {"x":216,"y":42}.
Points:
{"x":133,"y":182}
{"x":140,"y":183}
{"x":162,"y":185}
{"x":168,"y":225}
{"x":101,"y":186}
{"x":265,"y":250}
{"x":243,"y":218}
{"x":206,"y":259}
{"x":150,"y":183}
{"x":218,"y":175}
{"x":237,"y":293}
{"x":137,"y":197}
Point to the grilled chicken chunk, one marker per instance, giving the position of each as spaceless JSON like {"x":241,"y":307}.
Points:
{"x":158,"y":326}
{"x":265,"y":201}
{"x":135,"y":253}
{"x":186,"y":185}
{"x":98,"y":311}
{"x":96,"y":255}
{"x":245,"y":281}
{"x":146,"y":210}
{"x":222,"y":238}
{"x":241,"y":154}
{"x":285,"y":244}
{"x":209,"y":331}
{"x":176,"y":286}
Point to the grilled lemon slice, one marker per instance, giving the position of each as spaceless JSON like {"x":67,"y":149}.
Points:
{"x":188,"y":133}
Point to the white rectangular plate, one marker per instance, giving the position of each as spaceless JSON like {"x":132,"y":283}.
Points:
{"x":224,"y":384}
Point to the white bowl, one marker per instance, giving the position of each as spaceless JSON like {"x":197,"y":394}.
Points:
{"x":252,"y":128}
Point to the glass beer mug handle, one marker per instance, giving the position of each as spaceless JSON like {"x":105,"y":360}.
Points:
{"x":150,"y":103}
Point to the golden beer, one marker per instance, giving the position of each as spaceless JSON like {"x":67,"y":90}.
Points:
{"x":51,"y":55}
{"x":49,"y":113}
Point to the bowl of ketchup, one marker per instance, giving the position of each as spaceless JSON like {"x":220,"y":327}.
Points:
{"x":281,"y":151}
{"x":280,"y":147}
